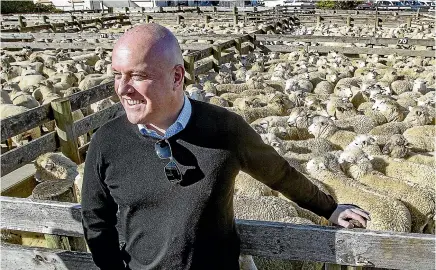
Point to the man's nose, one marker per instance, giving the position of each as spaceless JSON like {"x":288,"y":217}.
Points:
{"x":123,"y":87}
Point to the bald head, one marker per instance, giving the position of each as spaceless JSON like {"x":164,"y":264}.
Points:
{"x":152,"y":39}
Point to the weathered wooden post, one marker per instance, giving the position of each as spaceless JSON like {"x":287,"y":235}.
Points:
{"x":59,"y":190}
{"x":44,"y":19}
{"x":65,"y":129}
{"x":197,"y":9}
{"x":348,"y":20}
{"x":207,"y":19}
{"x":142,"y":10}
{"x":216,"y":52}
{"x":179,"y":8}
{"x":318,"y":21}
{"x":126,"y":10}
{"x":417,"y":13}
{"x":21,"y":21}
{"x":235,"y":19}
{"x":409,"y":22}
{"x":189,"y":68}
{"x":215,"y":10}
{"x":179,"y":19}
{"x":238,"y":46}
{"x":110,"y":10}
{"x":160,"y":10}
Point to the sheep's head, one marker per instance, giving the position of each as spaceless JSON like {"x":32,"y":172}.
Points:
{"x":354,"y":162}
{"x":274,"y":141}
{"x":297,"y":97}
{"x":325,"y":162}
{"x":419,"y":85}
{"x":418,"y":116}
{"x":300,"y":117}
{"x":53,"y":166}
{"x":322,"y":127}
{"x":397,"y":146}
{"x":389,"y":109}
{"x":363,"y":140}
{"x":291,"y":85}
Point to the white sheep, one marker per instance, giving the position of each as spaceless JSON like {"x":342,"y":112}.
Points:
{"x":53,"y":166}
{"x":386,"y":213}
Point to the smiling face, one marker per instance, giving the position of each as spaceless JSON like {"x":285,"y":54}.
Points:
{"x":149,"y":75}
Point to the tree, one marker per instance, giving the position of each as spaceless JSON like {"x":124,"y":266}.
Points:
{"x":26,"y":6}
{"x":337,"y":4}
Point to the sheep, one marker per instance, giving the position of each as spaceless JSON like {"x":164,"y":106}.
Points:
{"x":367,"y":143}
{"x":400,"y":86}
{"x":417,"y":116}
{"x":419,"y":202}
{"x":278,"y":106}
{"x":421,"y":138}
{"x":301,"y":118}
{"x":54,"y":166}
{"x":360,"y":124}
{"x":21,"y":98}
{"x":78,"y":181}
{"x":397,"y":146}
{"x":386,"y":213}
{"x":323,"y":127}
{"x":25,"y":82}
{"x":245,"y":185}
{"x":419,"y":174}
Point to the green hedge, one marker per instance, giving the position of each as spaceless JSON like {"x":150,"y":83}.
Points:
{"x":337,"y":4}
{"x":26,"y":6}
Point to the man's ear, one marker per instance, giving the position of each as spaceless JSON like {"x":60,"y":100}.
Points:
{"x":179,"y":76}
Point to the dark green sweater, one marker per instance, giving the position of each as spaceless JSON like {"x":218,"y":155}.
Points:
{"x":179,"y":226}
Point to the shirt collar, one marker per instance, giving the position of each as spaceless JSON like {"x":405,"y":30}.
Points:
{"x":177,"y":126}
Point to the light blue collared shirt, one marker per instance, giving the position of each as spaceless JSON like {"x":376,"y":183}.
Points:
{"x":176,"y":127}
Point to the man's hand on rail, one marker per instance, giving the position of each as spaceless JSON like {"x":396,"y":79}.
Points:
{"x":349,"y":216}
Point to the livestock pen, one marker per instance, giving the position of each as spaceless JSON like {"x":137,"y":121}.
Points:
{"x":355,"y":249}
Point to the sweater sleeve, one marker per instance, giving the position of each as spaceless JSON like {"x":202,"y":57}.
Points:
{"x":99,"y":213}
{"x":263,"y":163}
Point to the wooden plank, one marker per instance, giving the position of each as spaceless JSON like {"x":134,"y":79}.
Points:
{"x":347,"y":50}
{"x":97,"y":119}
{"x":17,"y":124}
{"x":354,"y":247}
{"x":85,"y":98}
{"x":82,"y":46}
{"x":343,"y":39}
{"x":23,"y":257}
{"x":19,"y":156}
{"x":201,"y":54}
{"x":204,"y":68}
{"x":227,"y":44}
{"x":19,"y":183}
{"x":31,"y":36}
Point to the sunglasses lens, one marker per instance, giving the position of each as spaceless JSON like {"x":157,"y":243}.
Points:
{"x":162,"y":149}
{"x":172,"y":172}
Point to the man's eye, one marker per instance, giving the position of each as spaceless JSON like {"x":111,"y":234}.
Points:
{"x":138,"y":77}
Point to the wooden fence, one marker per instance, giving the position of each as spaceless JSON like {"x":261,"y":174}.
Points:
{"x":275,"y":240}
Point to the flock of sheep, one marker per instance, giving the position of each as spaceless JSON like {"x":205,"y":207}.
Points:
{"x":362,"y":130}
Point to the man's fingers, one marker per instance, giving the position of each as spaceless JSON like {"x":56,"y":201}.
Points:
{"x":351,"y":215}
{"x":345,"y":224}
{"x":361,"y":212}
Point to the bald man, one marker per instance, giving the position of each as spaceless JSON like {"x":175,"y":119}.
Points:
{"x":168,"y":167}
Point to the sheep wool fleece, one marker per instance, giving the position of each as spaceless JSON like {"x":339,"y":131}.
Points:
{"x":188,"y":224}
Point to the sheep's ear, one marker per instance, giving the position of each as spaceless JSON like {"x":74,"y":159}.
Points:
{"x":408,"y":145}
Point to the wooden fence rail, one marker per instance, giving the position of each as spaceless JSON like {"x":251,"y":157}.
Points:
{"x":267,"y":239}
{"x":260,"y":37}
